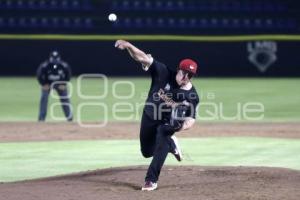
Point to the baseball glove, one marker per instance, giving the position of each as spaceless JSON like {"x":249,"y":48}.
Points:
{"x":178,"y":115}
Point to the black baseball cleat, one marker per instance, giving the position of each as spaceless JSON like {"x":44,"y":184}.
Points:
{"x":149,"y":186}
{"x":177,"y":152}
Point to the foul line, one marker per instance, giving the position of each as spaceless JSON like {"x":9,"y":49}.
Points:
{"x":186,"y":38}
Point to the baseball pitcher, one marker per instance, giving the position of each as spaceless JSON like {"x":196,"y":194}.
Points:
{"x":170,"y":107}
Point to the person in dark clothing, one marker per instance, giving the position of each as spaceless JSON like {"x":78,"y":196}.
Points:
{"x":54,"y":73}
{"x":170,"y":107}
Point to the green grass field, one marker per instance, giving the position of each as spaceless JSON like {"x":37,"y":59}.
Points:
{"x":280,"y":97}
{"x":20,"y":98}
{"x":40,"y":159}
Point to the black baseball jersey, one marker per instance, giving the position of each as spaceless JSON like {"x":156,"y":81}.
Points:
{"x":169,"y":88}
{"x":49,"y":72}
{"x":179,"y":95}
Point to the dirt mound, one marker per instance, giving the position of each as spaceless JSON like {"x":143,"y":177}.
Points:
{"x":226,"y":183}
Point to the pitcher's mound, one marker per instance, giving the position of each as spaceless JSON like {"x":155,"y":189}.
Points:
{"x":207,"y":183}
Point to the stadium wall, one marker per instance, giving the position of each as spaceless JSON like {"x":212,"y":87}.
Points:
{"x":265,"y":57}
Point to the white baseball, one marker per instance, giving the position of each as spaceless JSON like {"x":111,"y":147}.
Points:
{"x":112,"y":17}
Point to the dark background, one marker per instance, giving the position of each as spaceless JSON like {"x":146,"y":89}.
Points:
{"x":138,"y":17}
{"x":214,"y":58}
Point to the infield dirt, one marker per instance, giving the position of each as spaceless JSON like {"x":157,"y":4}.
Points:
{"x":29,"y":131}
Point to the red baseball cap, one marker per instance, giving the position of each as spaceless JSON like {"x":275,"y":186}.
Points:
{"x":188,"y":65}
